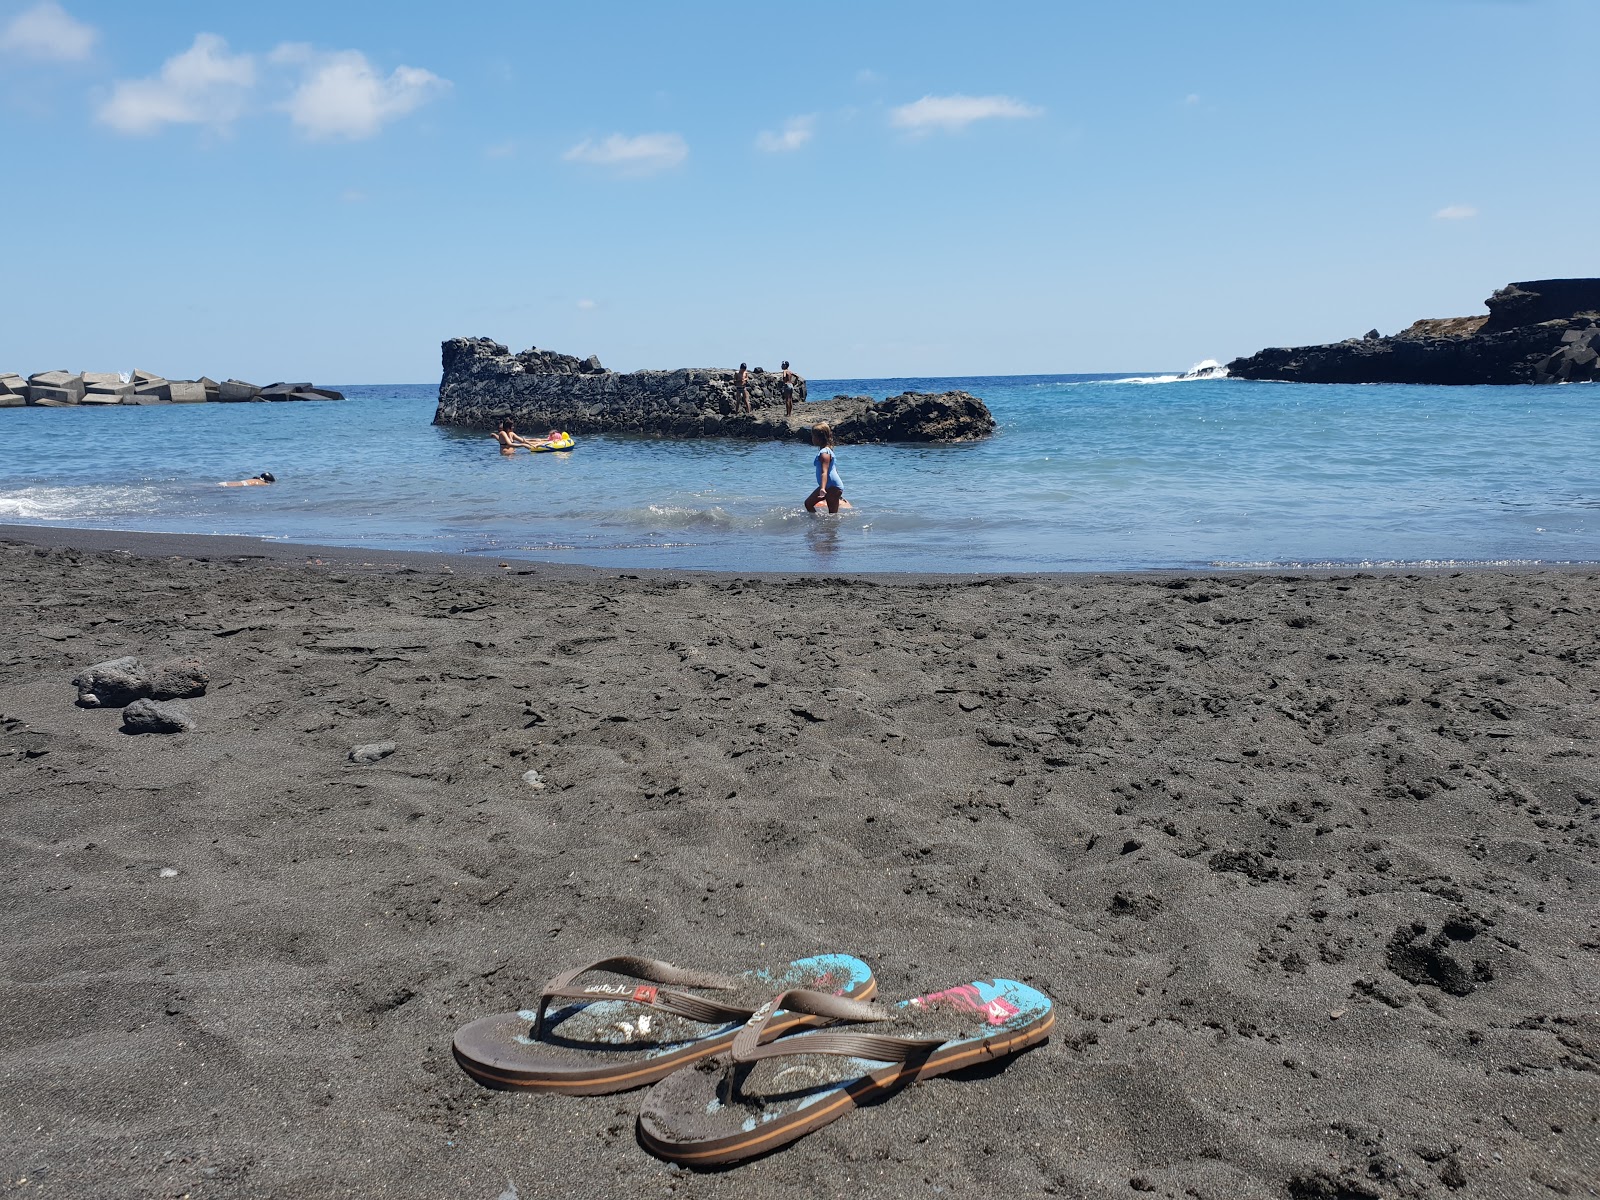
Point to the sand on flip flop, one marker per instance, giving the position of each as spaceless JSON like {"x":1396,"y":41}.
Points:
{"x":1307,"y":863}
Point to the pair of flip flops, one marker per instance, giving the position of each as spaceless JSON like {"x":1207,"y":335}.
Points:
{"x":763,"y":1059}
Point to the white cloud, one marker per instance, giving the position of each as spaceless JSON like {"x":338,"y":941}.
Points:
{"x":586,"y":305}
{"x":204,"y":85}
{"x":797,"y":131}
{"x":341,"y":95}
{"x":1455,"y":212}
{"x":643,"y":154}
{"x":48,"y":31}
{"x":954,"y":113}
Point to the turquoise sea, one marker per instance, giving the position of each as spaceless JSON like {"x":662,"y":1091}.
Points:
{"x":1087,"y":472}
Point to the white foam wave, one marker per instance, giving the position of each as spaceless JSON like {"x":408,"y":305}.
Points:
{"x":1208,"y":368}
{"x":75,"y":503}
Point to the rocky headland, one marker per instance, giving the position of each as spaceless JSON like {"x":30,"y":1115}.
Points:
{"x":483,"y":383}
{"x":63,"y":389}
{"x":1541,"y":331}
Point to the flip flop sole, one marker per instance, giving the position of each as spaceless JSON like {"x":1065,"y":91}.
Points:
{"x":480,"y":1050}
{"x":866,"y":1090}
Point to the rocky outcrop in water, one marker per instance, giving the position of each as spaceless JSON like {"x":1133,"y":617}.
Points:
{"x":1542,"y":331}
{"x":62,"y":389}
{"x":484,"y":383}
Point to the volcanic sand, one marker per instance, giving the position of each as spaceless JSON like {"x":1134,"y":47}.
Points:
{"x":1308,"y":864}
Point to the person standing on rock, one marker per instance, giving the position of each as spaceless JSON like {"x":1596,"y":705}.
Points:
{"x":743,"y":380}
{"x":830,"y":488}
{"x":786,"y":383}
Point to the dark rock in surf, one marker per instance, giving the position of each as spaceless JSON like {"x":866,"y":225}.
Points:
{"x":483,"y":383}
{"x":1543,"y":331}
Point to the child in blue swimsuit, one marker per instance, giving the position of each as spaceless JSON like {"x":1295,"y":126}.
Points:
{"x":830,"y":488}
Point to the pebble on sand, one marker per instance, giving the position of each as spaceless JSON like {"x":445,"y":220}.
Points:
{"x":372,"y":752}
{"x":534,"y":780}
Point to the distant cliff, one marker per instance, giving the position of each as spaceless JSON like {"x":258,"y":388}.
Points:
{"x":1542,"y":331}
{"x":483,"y":383}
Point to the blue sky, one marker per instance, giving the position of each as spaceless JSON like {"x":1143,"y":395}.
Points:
{"x":327,"y":190}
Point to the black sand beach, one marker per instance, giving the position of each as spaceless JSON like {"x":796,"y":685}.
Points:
{"x":1308,"y":864}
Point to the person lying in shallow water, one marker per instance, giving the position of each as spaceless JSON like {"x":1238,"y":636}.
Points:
{"x":260,"y":480}
{"x":510,"y":439}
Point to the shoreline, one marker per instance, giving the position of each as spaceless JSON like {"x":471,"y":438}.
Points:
{"x":205,"y":546}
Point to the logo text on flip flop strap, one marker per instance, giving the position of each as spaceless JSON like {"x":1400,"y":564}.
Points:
{"x":643,"y":995}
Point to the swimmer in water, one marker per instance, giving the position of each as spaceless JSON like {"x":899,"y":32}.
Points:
{"x":260,"y":480}
{"x":830,"y":488}
{"x":509,"y":438}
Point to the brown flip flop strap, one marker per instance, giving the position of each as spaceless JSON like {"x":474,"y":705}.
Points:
{"x":819,"y":1004}
{"x":876,"y":1047}
{"x":655,"y":970}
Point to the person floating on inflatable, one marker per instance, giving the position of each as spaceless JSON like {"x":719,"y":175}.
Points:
{"x":830,"y":488}
{"x":510,"y":441}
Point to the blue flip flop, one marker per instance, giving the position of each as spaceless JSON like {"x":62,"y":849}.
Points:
{"x":770,"y":1089}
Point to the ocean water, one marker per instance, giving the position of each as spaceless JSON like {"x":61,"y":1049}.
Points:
{"x":1086,"y":473}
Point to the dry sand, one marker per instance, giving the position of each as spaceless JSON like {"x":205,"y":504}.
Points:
{"x":1309,"y":865}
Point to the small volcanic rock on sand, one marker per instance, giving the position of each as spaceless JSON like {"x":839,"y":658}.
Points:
{"x":153,"y":716}
{"x":372,"y":752}
{"x":120,"y":681}
{"x":113,"y":683}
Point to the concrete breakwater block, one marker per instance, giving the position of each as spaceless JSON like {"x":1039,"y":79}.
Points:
{"x":232,"y":391}
{"x":57,"y":389}
{"x":50,"y":397}
{"x":181,"y":391}
{"x":56,"y":386}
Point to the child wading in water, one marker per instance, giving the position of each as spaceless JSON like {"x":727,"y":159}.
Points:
{"x":830,"y":487}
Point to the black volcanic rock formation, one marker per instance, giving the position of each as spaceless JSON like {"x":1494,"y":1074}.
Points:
{"x":484,"y":383}
{"x":1543,"y":331}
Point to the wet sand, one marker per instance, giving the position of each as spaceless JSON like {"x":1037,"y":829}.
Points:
{"x":1309,"y":865}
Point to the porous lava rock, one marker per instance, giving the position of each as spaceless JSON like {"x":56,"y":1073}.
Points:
{"x":1540,"y":331}
{"x":483,"y":383}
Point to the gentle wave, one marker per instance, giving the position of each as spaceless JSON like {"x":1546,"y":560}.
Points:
{"x":88,"y":502}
